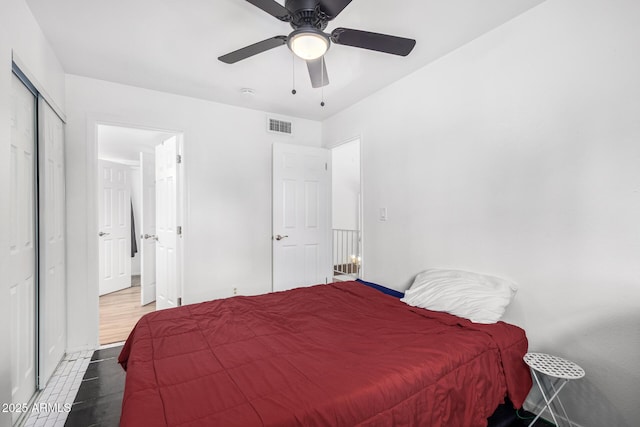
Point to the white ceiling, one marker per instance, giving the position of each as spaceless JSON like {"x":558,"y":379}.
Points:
{"x":124,"y":144}
{"x":173,"y":46}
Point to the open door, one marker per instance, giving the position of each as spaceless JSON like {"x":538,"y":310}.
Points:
{"x":148,"y":229}
{"x":114,"y":216}
{"x":166,"y":224}
{"x":346,"y":202}
{"x":301,"y":216}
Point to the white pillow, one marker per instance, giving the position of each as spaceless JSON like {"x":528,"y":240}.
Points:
{"x":477,"y":297}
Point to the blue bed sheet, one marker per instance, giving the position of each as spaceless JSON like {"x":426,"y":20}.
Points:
{"x":384,"y":290}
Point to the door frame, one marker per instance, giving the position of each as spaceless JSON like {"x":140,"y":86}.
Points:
{"x":92,"y":315}
{"x":363,"y":264}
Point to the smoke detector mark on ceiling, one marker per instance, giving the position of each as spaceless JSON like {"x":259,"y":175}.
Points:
{"x":247,"y":93}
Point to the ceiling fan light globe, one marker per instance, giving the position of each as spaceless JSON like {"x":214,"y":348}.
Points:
{"x":309,"y":45}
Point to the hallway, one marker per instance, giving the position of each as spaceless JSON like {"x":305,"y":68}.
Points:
{"x":120,"y":311}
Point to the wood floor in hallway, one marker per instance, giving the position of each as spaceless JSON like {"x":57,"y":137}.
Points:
{"x":119,"y":312}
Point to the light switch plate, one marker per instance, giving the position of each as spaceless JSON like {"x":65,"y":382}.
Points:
{"x":383,"y":214}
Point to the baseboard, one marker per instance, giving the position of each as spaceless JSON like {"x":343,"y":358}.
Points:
{"x":81,"y":348}
{"x":113,"y":344}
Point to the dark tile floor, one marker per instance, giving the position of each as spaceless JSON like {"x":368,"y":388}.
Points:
{"x":506,"y":416}
{"x":99,"y":398}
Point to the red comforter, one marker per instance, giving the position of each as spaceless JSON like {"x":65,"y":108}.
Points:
{"x":328,"y":355}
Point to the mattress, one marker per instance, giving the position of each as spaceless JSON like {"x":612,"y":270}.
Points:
{"x":341,"y":354}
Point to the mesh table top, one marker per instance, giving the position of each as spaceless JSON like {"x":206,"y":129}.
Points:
{"x":554,"y":366}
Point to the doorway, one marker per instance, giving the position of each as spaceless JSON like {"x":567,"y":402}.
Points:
{"x":128,"y":241}
{"x":346,"y":215}
{"x":301,"y":216}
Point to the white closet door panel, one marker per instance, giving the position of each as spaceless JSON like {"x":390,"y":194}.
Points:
{"x":52,"y":243}
{"x":22,"y":271}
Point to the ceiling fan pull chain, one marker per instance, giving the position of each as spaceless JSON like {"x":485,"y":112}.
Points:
{"x":293,"y":73}
{"x":322,"y":79}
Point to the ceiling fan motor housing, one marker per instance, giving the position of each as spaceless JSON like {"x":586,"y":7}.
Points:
{"x":308,"y":41}
{"x":306,"y":13}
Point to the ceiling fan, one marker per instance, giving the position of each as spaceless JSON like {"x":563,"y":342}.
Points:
{"x":308,"y":41}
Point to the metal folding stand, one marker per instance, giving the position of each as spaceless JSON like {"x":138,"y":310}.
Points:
{"x":559,"y":371}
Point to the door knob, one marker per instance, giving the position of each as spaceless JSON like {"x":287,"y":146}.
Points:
{"x":151,"y":236}
{"x":279,"y":237}
{"x":102,"y":233}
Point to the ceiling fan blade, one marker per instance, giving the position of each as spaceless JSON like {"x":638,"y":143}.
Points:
{"x":373,"y":41}
{"x":273,"y":8}
{"x":318,"y":72}
{"x":254,"y":49}
{"x":333,"y":7}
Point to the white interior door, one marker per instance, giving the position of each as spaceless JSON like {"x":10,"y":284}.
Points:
{"x":148,"y":229}
{"x":301,"y":216}
{"x":166,"y":224}
{"x":114,"y":216}
{"x":52,"y":332}
{"x":22,"y":246}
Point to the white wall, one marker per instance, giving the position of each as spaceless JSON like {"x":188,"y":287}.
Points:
{"x":18,"y":32}
{"x":227,"y":156}
{"x":345,"y":185}
{"x":519,"y":155}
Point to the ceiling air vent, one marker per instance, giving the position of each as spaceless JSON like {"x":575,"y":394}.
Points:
{"x":278,"y":126}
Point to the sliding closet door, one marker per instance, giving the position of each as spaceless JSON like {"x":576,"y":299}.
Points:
{"x":22,"y":247}
{"x":52,"y":274}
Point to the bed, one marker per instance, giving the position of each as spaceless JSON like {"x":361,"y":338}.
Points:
{"x":341,"y":354}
